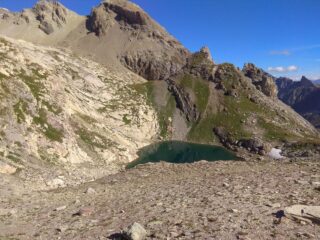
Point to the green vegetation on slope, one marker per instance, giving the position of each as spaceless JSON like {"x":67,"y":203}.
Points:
{"x":93,"y":139}
{"x":48,"y":130}
{"x":20,"y":108}
{"x":231,"y":119}
{"x":34,"y":83}
{"x":164,"y":113}
{"x":199,"y":87}
{"x":274,"y":132}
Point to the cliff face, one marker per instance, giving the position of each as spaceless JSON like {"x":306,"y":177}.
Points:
{"x":303,"y":96}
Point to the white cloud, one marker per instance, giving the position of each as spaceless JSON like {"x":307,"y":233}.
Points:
{"x":282,"y":69}
{"x":292,"y":68}
{"x":282,"y":52}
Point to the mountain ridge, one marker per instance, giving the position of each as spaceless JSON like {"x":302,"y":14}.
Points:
{"x":302,"y":96}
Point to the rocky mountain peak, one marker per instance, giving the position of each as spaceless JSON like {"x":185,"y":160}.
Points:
{"x":50,"y":14}
{"x":261,"y":79}
{"x":126,"y":13}
{"x":306,"y":82}
{"x":206,"y":52}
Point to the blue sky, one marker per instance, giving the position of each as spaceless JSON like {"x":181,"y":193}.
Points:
{"x":281,"y":36}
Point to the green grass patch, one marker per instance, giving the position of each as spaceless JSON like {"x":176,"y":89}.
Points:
{"x":145,"y":89}
{"x":93,"y":139}
{"x":126,"y":120}
{"x":164,"y":116}
{"x":34,"y":83}
{"x":52,"y":108}
{"x":20,"y":108}
{"x":199,"y":87}
{"x":14,"y":158}
{"x":232,"y":120}
{"x":274,"y":132}
{"x":48,"y":130}
{"x":164,"y":113}
{"x":45,"y":156}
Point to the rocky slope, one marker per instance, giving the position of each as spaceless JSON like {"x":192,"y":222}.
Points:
{"x":67,"y":118}
{"x":220,"y":200}
{"x":303,"y":96}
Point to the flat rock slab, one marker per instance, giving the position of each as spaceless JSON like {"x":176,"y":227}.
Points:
{"x":309,"y":213}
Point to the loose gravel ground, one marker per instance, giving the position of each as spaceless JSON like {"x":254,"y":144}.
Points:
{"x":217,"y":200}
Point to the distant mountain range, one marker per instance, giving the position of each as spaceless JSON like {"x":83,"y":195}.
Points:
{"x":316,"y":81}
{"x":303,"y":96}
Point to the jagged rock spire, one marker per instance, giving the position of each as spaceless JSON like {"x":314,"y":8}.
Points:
{"x":206,"y":51}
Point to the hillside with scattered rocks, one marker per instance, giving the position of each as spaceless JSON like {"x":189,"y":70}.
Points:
{"x":82,"y":95}
{"x":64,"y":117}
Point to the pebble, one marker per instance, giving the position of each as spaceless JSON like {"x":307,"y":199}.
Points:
{"x":60,"y":208}
{"x":90,"y":191}
{"x":273,"y":205}
{"x":302,"y":182}
{"x":86,"y":211}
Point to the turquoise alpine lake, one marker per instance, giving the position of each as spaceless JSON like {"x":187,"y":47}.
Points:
{"x":181,"y":152}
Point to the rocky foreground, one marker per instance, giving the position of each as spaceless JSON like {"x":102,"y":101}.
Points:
{"x":220,"y":200}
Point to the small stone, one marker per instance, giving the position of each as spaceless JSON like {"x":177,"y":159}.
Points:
{"x":136,"y":232}
{"x":315,"y":184}
{"x":62,"y":229}
{"x":233,"y":210}
{"x":84,"y":212}
{"x":90,"y":191}
{"x":273,"y":205}
{"x":56,"y":183}
{"x":309,"y":235}
{"x":7,"y":169}
{"x":226,"y":184}
{"x":60,"y":208}
{"x":302,"y":182}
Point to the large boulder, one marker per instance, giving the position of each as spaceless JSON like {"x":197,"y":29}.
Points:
{"x":135,"y":232}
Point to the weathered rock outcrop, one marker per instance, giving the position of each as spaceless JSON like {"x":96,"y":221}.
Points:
{"x":126,"y":13}
{"x":200,"y":64}
{"x":254,"y":145}
{"x":50,"y":14}
{"x":263,"y":81}
{"x":183,"y":101}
